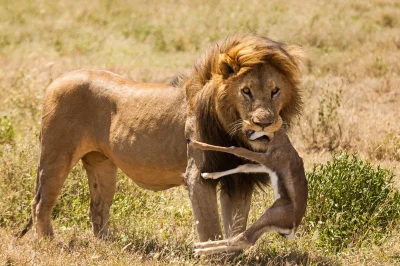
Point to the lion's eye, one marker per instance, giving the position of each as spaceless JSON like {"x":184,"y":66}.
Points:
{"x":275,"y":92}
{"x":246,"y":91}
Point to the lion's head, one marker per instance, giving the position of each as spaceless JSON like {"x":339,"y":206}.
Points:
{"x":246,"y":87}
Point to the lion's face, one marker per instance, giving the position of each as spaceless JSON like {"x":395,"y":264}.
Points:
{"x":257,"y":98}
{"x":245,"y":86}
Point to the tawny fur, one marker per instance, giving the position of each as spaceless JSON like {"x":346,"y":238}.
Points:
{"x":110,"y":122}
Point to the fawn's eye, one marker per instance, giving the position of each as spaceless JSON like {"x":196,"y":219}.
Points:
{"x":275,"y":92}
{"x":246,"y":91}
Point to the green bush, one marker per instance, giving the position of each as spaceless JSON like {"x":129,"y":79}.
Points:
{"x":351,"y":203}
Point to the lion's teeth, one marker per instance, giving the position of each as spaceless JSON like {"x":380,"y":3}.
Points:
{"x":249,"y":133}
{"x":257,"y":135}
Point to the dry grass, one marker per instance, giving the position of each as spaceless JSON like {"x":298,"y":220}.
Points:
{"x":351,"y":92}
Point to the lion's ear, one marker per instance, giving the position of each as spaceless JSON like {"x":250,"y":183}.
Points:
{"x":227,"y":66}
{"x":226,"y":70}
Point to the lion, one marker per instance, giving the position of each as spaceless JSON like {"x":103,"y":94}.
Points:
{"x":240,"y":91}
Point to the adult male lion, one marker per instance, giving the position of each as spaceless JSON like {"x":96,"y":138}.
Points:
{"x":241,"y":90}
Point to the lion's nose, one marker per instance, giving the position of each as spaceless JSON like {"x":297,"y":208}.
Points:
{"x":263,"y":124}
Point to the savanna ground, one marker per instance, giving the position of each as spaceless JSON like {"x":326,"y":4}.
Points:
{"x":351,"y":94}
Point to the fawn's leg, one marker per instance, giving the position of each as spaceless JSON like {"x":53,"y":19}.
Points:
{"x":279,"y":217}
{"x":238,"y":151}
{"x":245,"y":168}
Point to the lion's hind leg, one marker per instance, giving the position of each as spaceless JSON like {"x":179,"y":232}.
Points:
{"x":102,"y":175}
{"x":51,"y":175}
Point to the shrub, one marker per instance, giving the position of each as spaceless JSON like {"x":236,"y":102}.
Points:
{"x":350,"y":203}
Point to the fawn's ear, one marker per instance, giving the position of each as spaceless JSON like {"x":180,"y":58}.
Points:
{"x":227,"y":66}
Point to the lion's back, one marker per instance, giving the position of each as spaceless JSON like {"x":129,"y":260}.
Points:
{"x":80,"y":102}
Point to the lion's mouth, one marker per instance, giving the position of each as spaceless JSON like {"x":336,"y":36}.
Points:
{"x":257,"y":135}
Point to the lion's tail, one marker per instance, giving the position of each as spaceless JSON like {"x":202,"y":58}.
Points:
{"x":26,"y":228}
{"x":29,"y":224}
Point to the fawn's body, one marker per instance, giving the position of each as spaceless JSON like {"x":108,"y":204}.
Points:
{"x":286,"y":170}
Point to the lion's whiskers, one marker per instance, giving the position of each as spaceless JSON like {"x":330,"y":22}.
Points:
{"x":235,"y":126}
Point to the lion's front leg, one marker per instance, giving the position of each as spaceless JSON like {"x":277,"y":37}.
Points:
{"x":235,"y":208}
{"x":203,"y":196}
{"x":202,"y":193}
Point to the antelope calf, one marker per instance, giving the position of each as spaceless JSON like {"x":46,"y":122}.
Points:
{"x":286,"y":170}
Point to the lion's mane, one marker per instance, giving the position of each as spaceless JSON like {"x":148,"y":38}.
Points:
{"x":240,"y":53}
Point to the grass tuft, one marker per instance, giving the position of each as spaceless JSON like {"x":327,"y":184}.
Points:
{"x":7,"y":133}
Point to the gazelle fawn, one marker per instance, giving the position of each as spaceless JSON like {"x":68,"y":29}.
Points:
{"x":286,"y":170}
